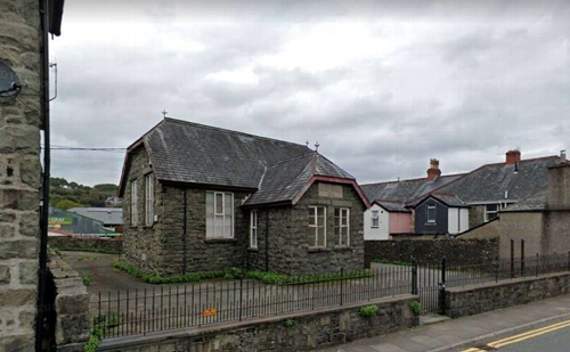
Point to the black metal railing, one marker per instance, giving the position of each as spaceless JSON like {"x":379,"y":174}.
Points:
{"x":167,"y":307}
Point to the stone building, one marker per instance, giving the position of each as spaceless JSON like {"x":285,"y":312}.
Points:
{"x":20,"y":44}
{"x":200,"y":198}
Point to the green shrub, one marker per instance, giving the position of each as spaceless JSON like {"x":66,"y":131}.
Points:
{"x":368,"y":311}
{"x":94,"y":340}
{"x":155,"y":278}
{"x":233,"y":273}
{"x":267,"y":277}
{"x":415,"y":307}
{"x":87,"y":279}
{"x":289,"y":323}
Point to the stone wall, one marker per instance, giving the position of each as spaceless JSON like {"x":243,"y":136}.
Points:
{"x":457,"y":251}
{"x":19,"y":175}
{"x":309,"y":331}
{"x":87,"y":244}
{"x":291,"y":246}
{"x":476,"y":299}
{"x":70,"y":306}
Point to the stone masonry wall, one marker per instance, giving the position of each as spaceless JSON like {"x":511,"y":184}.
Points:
{"x":141,"y":244}
{"x":308,"y":331}
{"x":457,"y":251}
{"x":87,"y":244}
{"x":71,"y":307}
{"x":476,"y":299}
{"x":303,"y":258}
{"x":19,"y":175}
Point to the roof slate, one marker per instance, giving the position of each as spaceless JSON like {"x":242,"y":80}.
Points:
{"x":405,"y":191}
{"x":499,"y":182}
{"x":182,"y":151}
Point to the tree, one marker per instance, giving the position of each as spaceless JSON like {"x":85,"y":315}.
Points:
{"x":66,"y":204}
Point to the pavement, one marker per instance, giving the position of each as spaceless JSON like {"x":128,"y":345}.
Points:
{"x":463,"y":333}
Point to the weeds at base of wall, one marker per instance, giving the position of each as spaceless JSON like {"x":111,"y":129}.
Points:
{"x":269,"y":278}
{"x":102,"y":323}
{"x":289,"y":323}
{"x":415,"y":308}
{"x":368,"y":311}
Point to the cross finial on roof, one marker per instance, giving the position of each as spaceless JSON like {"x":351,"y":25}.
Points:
{"x":317,"y":145}
{"x":307,"y":143}
{"x":164,"y":112}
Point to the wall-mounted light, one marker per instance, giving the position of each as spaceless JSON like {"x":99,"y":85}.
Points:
{"x":9,"y":82}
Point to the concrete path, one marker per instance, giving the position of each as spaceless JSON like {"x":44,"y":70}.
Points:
{"x":457,"y":334}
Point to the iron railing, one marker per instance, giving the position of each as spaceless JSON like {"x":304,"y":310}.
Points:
{"x":168,"y":307}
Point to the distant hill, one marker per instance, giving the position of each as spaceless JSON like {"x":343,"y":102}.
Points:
{"x":65,"y":194}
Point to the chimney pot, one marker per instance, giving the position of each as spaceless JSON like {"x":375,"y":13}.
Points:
{"x":513,"y":157}
{"x":433,"y":172}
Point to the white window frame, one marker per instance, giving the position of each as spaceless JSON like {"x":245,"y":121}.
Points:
{"x":210,"y":231}
{"x":434,"y":220}
{"x":344,"y":213}
{"x":253,"y":233}
{"x":149,"y":199}
{"x":375,"y":216}
{"x":134,"y":203}
{"x":316,"y":226}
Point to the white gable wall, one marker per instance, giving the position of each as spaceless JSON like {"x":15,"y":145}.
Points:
{"x":457,"y":220}
{"x":382,"y":232}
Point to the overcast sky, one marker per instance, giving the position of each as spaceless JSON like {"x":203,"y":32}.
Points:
{"x":382,"y":86}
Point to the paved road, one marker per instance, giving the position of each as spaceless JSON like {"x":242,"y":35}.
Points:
{"x":463,"y":333}
{"x":546,"y":337}
{"x":558,"y":341}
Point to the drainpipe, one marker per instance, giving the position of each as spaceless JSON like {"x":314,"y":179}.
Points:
{"x":266,"y":239}
{"x":184,"y":233}
{"x":41,"y":318}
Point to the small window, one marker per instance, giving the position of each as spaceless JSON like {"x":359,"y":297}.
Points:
{"x":491,"y":211}
{"x":219,"y":214}
{"x":149,"y":199}
{"x":134,"y":203}
{"x":431,"y":214}
{"x":253,"y":229}
{"x":318,"y":225}
{"x":342,"y":226}
{"x":375,"y":219}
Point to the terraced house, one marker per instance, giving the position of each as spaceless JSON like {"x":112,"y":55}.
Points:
{"x":201,"y":198}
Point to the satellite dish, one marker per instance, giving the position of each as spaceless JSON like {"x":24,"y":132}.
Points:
{"x":9,"y":82}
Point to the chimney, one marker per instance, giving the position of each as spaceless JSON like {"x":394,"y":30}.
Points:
{"x":558,"y":196}
{"x":433,"y":172}
{"x":563,"y":156}
{"x":513,"y":157}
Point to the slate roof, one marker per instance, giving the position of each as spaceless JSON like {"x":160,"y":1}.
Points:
{"x":400,"y":193}
{"x":108,"y":216}
{"x":394,"y":206}
{"x":536,"y":202}
{"x":275,"y":170}
{"x":489,"y":182}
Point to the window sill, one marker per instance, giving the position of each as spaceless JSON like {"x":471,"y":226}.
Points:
{"x":342,"y":248}
{"x":318,"y":249}
{"x":220,"y":240}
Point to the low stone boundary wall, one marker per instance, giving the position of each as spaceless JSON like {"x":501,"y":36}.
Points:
{"x":469,"y":300}
{"x":70,"y":306}
{"x":87,"y":244}
{"x":457,"y":251}
{"x":291,"y":333}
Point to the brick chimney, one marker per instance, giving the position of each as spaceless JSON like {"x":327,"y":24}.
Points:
{"x":433,"y":172}
{"x":513,"y":157}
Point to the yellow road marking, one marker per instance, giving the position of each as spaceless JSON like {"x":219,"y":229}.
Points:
{"x":521,"y":337}
{"x":529,"y":334}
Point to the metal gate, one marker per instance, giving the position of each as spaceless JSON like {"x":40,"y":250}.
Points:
{"x":429,"y":282}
